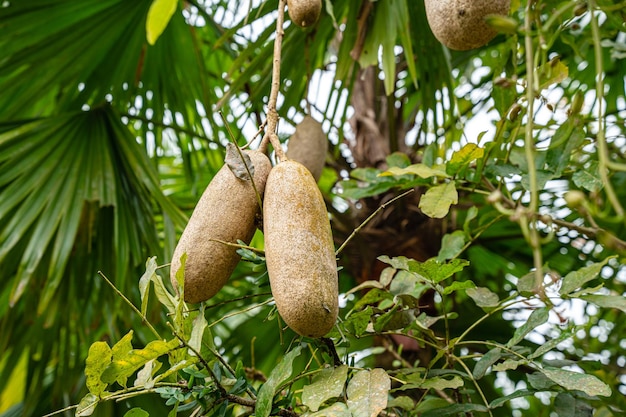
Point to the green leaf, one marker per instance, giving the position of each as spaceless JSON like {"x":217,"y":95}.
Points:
{"x":122,"y":368}
{"x":335,"y":410}
{"x":359,"y":321}
{"x":551,"y":72}
{"x":87,"y":405}
{"x":120,"y":350}
{"x":197,"y":331}
{"x":485,"y":362}
{"x":588,"y":178}
{"x":144,"y":375}
{"x":326,"y":384}
{"x":576,"y":381}
{"x":435,"y":271}
{"x":136,"y":412}
{"x":607,"y":301}
{"x":527,"y":284}
{"x":421,"y":170}
{"x":566,"y":405}
{"x":483,"y":297}
{"x":441,"y":382}
{"x":457,"y":286}
{"x":549,"y":345}
{"x":577,"y":279}
{"x":98,"y":359}
{"x":279,"y":374}
{"x":144,"y":283}
{"x":536,"y":319}
{"x":159,"y":15}
{"x":499,"y":402}
{"x":368,"y":392}
{"x":437,"y":200}
{"x":455,"y":409}
{"x":373,"y":296}
{"x":451,"y":245}
{"x":463,"y":157}
{"x":509,"y":364}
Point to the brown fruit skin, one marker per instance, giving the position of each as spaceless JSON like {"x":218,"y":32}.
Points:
{"x":299,"y":250}
{"x":460,"y":24}
{"x":226,"y":211}
{"x":304,"y":13}
{"x":308,"y":145}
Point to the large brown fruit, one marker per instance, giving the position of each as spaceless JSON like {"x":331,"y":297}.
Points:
{"x":304,"y":12}
{"x":299,"y":250}
{"x":460,"y":24}
{"x":308,"y":145}
{"x":226,"y":212}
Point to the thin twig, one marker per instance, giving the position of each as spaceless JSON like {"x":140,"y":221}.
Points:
{"x":237,"y":245}
{"x":139,"y":313}
{"x":333,"y":352}
{"x":272,"y":114}
{"x":378,"y":210}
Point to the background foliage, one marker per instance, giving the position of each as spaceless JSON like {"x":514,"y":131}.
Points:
{"x":495,"y":286}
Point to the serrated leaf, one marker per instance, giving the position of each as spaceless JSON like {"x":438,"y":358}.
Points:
{"x":335,"y":410}
{"x":607,"y":301}
{"x":367,"y":392}
{"x":437,"y":200}
{"x":137,"y":412}
{"x":485,"y":362}
{"x":571,"y":380}
{"x":239,"y":167}
{"x":536,"y":319}
{"x":98,"y":358}
{"x":124,"y":367}
{"x":483,"y":297}
{"x":464,"y":157}
{"x":144,"y":283}
{"x":421,"y":170}
{"x":326,"y":384}
{"x":279,"y":374}
{"x":577,"y":279}
{"x":87,"y":405}
{"x":159,"y":15}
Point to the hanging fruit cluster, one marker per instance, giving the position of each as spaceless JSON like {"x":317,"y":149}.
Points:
{"x":299,"y":246}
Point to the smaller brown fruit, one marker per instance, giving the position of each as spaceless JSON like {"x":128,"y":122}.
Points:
{"x":308,"y":145}
{"x":304,"y":13}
